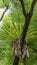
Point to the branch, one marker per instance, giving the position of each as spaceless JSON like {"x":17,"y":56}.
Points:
{"x":28,"y":17}
{"x":27,"y":22}
{"x":24,"y":60}
{"x":26,"y":25}
{"x":16,"y":61}
{"x":23,"y":8}
{"x":32,"y":7}
{"x":4,"y":11}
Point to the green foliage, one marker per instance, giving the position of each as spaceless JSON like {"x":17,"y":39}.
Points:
{"x":1,"y":4}
{"x":12,"y":28}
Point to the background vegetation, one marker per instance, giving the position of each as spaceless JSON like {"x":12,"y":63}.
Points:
{"x":11,"y":28}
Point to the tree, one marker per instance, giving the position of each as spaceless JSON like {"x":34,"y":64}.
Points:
{"x":26,"y":25}
{"x":28,"y":17}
